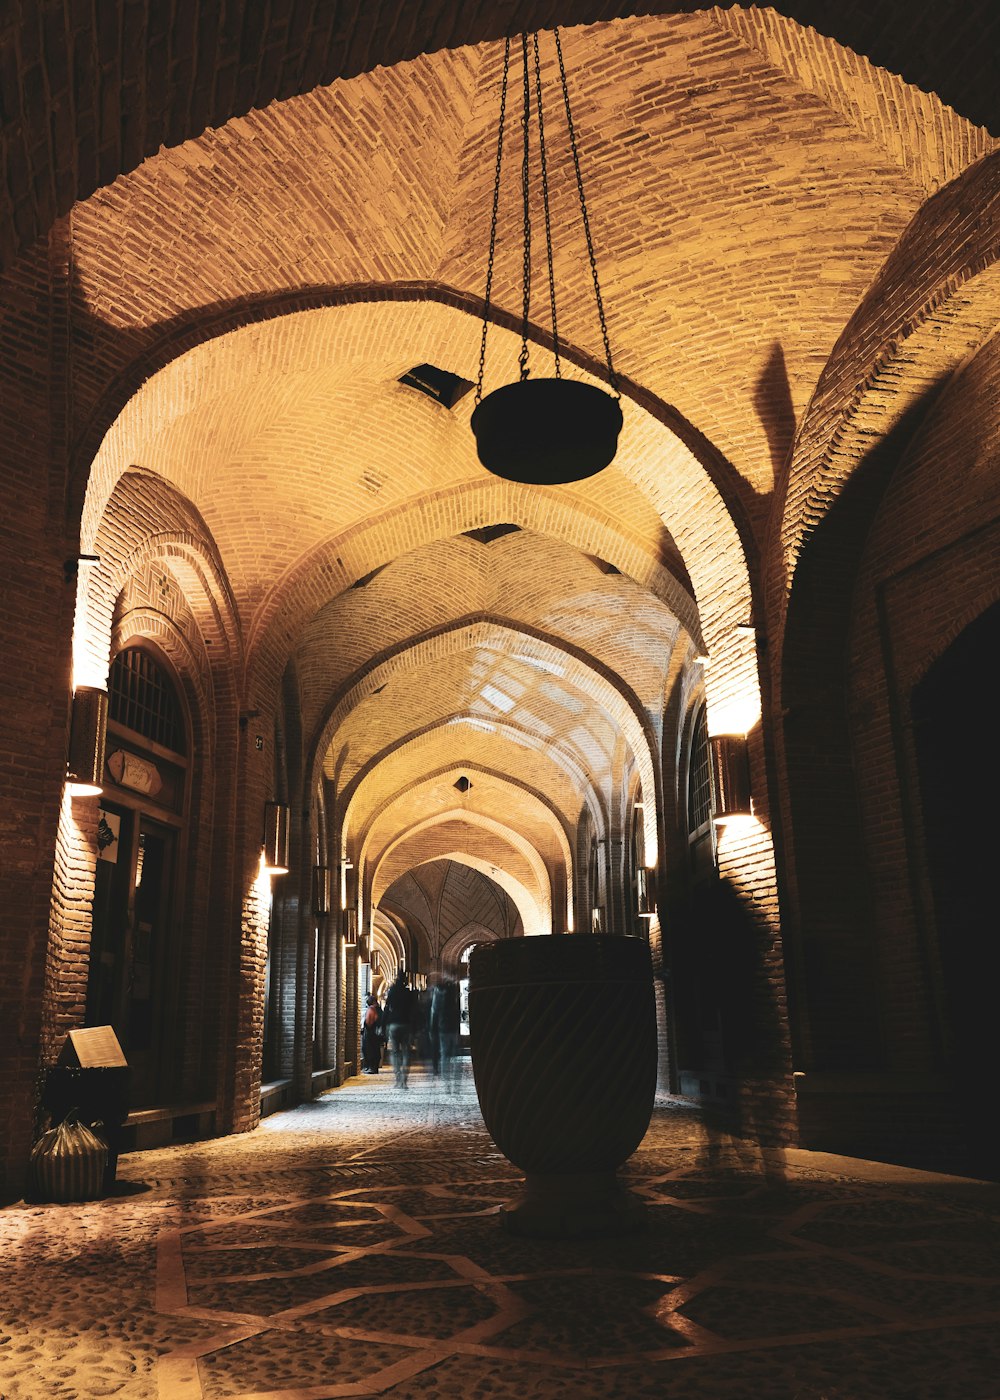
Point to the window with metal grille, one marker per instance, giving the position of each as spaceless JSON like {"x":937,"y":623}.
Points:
{"x":142,"y":697}
{"x":699,"y":776}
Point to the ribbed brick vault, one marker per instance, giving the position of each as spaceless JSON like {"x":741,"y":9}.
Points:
{"x":244,"y":303}
{"x":89,"y":93}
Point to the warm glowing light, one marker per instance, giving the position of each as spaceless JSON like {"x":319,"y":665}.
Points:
{"x":735,"y":716}
{"x":275,"y":845}
{"x":83,"y":790}
{"x":736,"y":833}
{"x":347,"y":886}
{"x":90,"y":648}
{"x":645,"y":901}
{"x":262,"y":884}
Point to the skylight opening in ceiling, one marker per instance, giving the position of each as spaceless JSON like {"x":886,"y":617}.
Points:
{"x":540,"y":664}
{"x":497,"y":699}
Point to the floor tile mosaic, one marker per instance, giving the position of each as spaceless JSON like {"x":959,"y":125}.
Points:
{"x":352,"y":1247}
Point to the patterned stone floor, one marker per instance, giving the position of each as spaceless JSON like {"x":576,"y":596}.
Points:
{"x":351,"y":1247}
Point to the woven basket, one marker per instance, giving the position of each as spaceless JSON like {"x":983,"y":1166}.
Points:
{"x":67,"y":1163}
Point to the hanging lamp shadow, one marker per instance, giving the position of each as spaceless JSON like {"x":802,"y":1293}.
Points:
{"x":543,"y":431}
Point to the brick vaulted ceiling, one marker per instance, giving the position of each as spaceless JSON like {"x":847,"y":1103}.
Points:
{"x":245,"y":302}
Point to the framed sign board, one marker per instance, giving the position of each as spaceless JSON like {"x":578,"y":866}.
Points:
{"x":93,"y":1047}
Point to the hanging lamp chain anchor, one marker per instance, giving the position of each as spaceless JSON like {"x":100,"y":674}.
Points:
{"x":522,"y":358}
{"x":612,"y":377}
{"x":543,"y":164}
{"x":546,"y":206}
{"x":544,"y":431}
{"x":493,"y":221}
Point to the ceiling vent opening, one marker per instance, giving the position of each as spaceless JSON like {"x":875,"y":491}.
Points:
{"x":366,"y":579}
{"x":440,"y":385}
{"x":463,"y":784}
{"x":489,"y":533}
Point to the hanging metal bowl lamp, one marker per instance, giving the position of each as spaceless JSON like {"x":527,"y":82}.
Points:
{"x":543,"y":432}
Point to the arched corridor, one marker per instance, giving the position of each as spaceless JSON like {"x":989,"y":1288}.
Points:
{"x":352,"y":703}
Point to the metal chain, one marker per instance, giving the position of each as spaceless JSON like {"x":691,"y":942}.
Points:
{"x":612,"y":378}
{"x":545,"y":206}
{"x":493,"y":221}
{"x":522,"y":358}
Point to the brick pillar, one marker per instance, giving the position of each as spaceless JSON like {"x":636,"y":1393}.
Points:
{"x":240,"y":1061}
{"x":36,"y":608}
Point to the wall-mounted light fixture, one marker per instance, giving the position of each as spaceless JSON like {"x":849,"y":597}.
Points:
{"x":645,"y":905}
{"x":376,"y":960}
{"x":731,"y":776}
{"x":351,"y":927}
{"x":597,"y":919}
{"x":348,"y":884}
{"x":276,"y":824}
{"x":364,"y":952}
{"x":72,"y":566}
{"x":87,"y":737}
{"x":321,"y":890}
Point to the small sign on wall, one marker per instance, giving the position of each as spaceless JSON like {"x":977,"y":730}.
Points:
{"x":93,"y":1047}
{"x":109,"y":827}
{"x":131,"y":771}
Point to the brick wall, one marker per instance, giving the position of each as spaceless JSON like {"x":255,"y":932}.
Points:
{"x":929,"y":569}
{"x":36,"y":617}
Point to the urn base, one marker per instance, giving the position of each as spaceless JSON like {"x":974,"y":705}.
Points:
{"x":573,"y":1206}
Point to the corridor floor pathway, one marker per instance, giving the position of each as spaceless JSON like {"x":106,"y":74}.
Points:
{"x":351,"y":1247}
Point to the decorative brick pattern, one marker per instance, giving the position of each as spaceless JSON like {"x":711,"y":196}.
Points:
{"x":448,"y":906}
{"x":86,"y":98}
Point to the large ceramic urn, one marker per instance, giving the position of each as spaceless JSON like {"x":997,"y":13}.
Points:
{"x":563,"y":1036}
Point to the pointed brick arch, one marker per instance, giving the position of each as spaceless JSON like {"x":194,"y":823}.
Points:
{"x":528,"y":888}
{"x":519,"y":799}
{"x":457,"y":816}
{"x":934,"y":302}
{"x":655,"y":455}
{"x":125,"y":543}
{"x":161,"y":78}
{"x":353,"y":832}
{"x":438,"y":736}
{"x":603,"y":690}
{"x":452,"y":951}
{"x":449,"y":898}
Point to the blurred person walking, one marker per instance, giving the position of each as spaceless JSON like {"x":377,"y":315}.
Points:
{"x":445,"y":1026}
{"x":371,"y":1037}
{"x":398,"y":1017}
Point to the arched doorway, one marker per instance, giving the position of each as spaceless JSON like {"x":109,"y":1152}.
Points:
{"x":953,"y":709}
{"x":136,"y":981}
